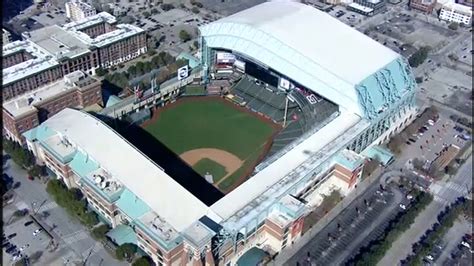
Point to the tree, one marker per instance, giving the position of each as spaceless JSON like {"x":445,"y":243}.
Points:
{"x":146,"y":14}
{"x":453,"y":26}
{"x":154,"y":11}
{"x":36,"y":171}
{"x":100,"y":231}
{"x":195,"y":10}
{"x":101,"y":72}
{"x":20,"y":213}
{"x":90,"y":219}
{"x":142,"y":261}
{"x":167,"y":7}
{"x":125,"y":251}
{"x":151,"y":52}
{"x":196,"y":3}
{"x":419,"y":80}
{"x":419,"y":56}
{"x":184,"y":36}
{"x":21,"y":262}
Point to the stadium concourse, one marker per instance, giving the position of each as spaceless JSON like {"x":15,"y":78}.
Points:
{"x":342,"y":93}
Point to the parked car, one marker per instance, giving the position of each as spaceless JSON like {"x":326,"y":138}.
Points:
{"x":28,"y":223}
{"x":37,"y":231}
{"x":403,"y":206}
{"x":10,"y":236}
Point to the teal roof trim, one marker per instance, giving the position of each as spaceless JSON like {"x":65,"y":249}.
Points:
{"x":39,"y":133}
{"x":123,"y":234}
{"x":167,"y":245}
{"x":112,"y":101}
{"x":378,"y":153}
{"x":63,"y":159}
{"x":131,"y":205}
{"x":82,"y":164}
{"x":349,"y":164}
{"x":193,"y":61}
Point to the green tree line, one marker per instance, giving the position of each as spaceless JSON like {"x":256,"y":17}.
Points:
{"x":19,"y":154}
{"x":376,"y":249}
{"x":445,"y":221}
{"x":72,"y":201}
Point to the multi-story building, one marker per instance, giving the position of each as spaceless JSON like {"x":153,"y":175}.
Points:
{"x":77,"y":10}
{"x":27,"y":66}
{"x":426,"y":6}
{"x":24,"y":112}
{"x":454,"y":12}
{"x":172,"y":223}
{"x":6,"y":37}
{"x":49,"y":53}
{"x":115,"y":43}
{"x":367,"y":7}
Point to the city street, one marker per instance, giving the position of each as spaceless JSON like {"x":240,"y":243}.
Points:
{"x":443,"y":195}
{"x":452,"y":239}
{"x":75,"y":243}
{"x":353,"y":228}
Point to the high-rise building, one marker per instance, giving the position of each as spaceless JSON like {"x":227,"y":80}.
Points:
{"x":77,"y":10}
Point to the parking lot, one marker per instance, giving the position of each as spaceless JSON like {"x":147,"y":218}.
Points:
{"x":363,"y":220}
{"x":427,"y":143}
{"x":24,"y":240}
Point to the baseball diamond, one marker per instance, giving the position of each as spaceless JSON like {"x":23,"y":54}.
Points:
{"x":210,"y":127}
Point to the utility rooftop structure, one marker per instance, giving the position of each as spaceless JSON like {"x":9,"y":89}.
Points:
{"x":371,"y":85}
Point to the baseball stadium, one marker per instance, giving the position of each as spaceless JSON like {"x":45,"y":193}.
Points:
{"x":290,"y":104}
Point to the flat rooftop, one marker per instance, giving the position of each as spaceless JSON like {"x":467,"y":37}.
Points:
{"x":102,"y":17}
{"x":60,"y":145}
{"x":58,"y":41}
{"x":121,"y":32}
{"x":41,"y":61}
{"x":158,"y":226}
{"x":104,"y":181}
{"x":26,"y":103}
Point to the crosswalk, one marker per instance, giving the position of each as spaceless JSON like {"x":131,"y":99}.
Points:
{"x":445,"y":191}
{"x":48,"y":206}
{"x":75,"y":237}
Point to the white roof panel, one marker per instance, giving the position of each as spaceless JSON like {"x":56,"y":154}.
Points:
{"x":322,"y":38}
{"x":132,"y":168}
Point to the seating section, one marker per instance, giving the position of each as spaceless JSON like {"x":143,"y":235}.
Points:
{"x":303,"y":113}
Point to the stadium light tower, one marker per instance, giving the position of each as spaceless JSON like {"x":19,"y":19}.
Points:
{"x":287,"y":91}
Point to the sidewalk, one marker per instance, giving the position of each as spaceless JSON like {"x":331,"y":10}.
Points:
{"x":290,"y":251}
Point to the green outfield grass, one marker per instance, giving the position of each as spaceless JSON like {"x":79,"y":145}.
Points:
{"x":195,"y":90}
{"x":209,"y":166}
{"x":212,"y":124}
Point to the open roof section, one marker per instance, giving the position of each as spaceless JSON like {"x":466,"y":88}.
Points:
{"x":305,"y":44}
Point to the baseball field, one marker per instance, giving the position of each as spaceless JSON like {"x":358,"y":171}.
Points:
{"x":213,"y":136}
